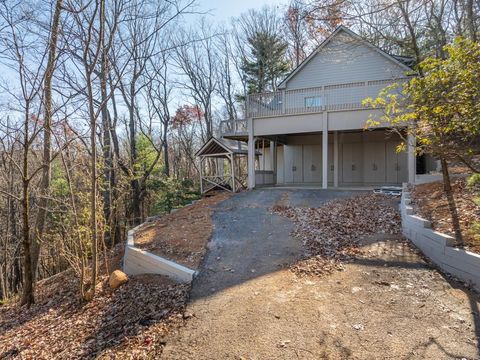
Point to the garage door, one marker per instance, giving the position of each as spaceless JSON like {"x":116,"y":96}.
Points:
{"x":352,"y":163}
{"x":312,"y":163}
{"x":374,"y":162}
{"x":396,"y":164}
{"x":293,"y":155}
{"x":303,"y":164}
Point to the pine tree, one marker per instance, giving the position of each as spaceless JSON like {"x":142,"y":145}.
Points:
{"x":267,"y":63}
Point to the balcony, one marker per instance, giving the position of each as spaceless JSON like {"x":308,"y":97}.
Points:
{"x":234,"y":128}
{"x":312,"y":100}
{"x":304,"y":101}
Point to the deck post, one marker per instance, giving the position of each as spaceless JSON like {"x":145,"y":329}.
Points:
{"x":201,"y":174}
{"x":251,"y":155}
{"x":412,"y":166}
{"x":325,"y":151}
{"x":232,"y":166}
{"x":335,"y":159}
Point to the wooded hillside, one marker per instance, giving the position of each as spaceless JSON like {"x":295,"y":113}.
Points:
{"x":104,"y":103}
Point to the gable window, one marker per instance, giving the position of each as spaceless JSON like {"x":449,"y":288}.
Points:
{"x":313,"y":101}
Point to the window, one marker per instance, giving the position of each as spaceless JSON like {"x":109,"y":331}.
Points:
{"x":313,"y":101}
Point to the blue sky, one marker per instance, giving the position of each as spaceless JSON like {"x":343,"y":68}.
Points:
{"x":223,"y":10}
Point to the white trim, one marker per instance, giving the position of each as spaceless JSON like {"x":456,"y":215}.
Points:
{"x":283,"y":84}
{"x":212,"y":139}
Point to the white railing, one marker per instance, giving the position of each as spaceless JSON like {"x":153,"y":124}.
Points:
{"x":303,"y":101}
{"x":311,"y":100}
{"x":234,"y":127}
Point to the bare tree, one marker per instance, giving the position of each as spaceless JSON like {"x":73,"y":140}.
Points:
{"x":296,"y":32}
{"x":18,"y":50}
{"x":47,"y":131}
{"x":139,"y":38}
{"x":196,"y":58}
{"x":227,"y":78}
{"x":158,"y":98}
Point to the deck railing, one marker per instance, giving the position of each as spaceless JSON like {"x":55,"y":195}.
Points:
{"x":234,"y":127}
{"x":347,"y":96}
{"x":311,"y":100}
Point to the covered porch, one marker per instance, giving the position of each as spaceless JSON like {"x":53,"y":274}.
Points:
{"x":222,"y":165}
{"x":330,"y":159}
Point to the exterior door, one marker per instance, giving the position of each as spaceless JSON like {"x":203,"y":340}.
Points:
{"x":312,"y":163}
{"x":293,"y":163}
{"x":396,"y":166}
{"x":352,"y":162}
{"x":374,"y":162}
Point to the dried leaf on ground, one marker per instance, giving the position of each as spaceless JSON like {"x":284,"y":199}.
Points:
{"x":181,"y":236}
{"x":130,"y":320}
{"x":430,"y":202}
{"x":332,"y":232}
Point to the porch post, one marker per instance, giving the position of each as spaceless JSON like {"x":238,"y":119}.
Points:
{"x":232,"y":167}
{"x":335,"y":159}
{"x":412,"y":164}
{"x":251,"y":155}
{"x":273,"y":158}
{"x":325,"y":151}
{"x":201,"y":174}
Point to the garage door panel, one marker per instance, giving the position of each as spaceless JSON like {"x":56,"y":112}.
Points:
{"x":312,"y":163}
{"x":352,"y":162}
{"x":374,"y":162}
{"x":293,"y":163}
{"x":397,"y":164}
{"x":330,"y":163}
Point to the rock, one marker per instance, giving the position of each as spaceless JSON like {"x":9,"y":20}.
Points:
{"x":284,"y":343}
{"x":188,"y":315}
{"x":117,"y":278}
{"x":358,"y":327}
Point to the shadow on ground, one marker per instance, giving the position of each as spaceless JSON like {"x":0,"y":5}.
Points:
{"x":245,"y":304}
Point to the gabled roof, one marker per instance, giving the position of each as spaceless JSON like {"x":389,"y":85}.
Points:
{"x":221,"y":147}
{"x":327,"y":41}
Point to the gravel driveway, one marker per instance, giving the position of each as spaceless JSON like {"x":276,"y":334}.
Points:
{"x":246,"y":304}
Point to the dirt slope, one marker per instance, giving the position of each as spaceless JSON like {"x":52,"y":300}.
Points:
{"x":387,"y":304}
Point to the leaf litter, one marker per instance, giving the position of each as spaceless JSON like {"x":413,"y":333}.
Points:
{"x":332,"y":233}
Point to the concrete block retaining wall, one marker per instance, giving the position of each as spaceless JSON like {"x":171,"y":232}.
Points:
{"x":137,"y":261}
{"x":437,"y":246}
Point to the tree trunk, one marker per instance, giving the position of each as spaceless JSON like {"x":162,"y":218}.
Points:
{"x":27,"y":296}
{"x":136,"y":211}
{"x":447,"y":186}
{"x":107,"y":155}
{"x":165,"y":152}
{"x":471,"y":20}
{"x":47,"y":140}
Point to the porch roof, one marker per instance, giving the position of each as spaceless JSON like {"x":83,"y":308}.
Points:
{"x":215,"y":147}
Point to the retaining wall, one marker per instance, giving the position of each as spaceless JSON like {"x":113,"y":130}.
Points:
{"x":437,"y":246}
{"x":137,"y":261}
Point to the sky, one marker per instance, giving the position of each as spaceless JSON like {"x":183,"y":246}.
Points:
{"x":223,"y":10}
{"x":216,"y":11}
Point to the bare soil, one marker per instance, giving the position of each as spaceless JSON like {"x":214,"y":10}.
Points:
{"x":386,"y":303}
{"x":430,"y":202}
{"x":181,"y":236}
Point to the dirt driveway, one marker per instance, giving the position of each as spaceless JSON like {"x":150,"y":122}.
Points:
{"x":246,"y":304}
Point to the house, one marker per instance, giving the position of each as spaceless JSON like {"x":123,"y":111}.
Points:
{"x":312,"y":130}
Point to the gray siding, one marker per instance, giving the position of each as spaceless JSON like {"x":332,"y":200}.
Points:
{"x":345,"y":60}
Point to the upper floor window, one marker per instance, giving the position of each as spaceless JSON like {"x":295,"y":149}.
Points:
{"x":313,"y":101}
